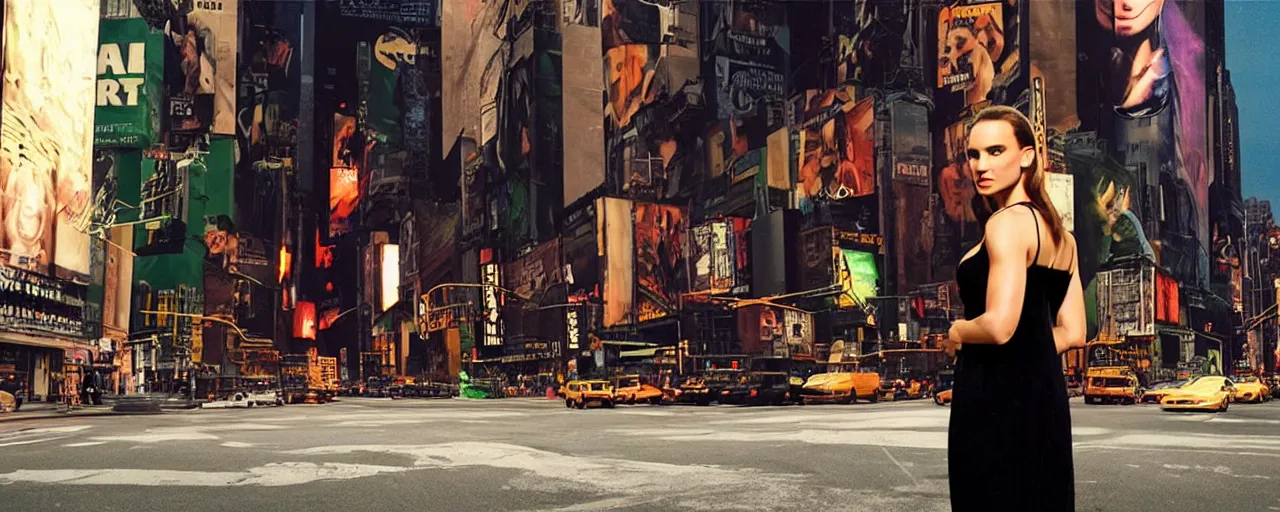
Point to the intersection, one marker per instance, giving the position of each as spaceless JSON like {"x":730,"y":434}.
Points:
{"x":521,"y":454}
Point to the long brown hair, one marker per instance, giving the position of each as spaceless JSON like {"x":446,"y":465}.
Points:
{"x":1034,"y":182}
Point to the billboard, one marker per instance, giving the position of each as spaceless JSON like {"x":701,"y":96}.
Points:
{"x":858,"y":275}
{"x":976,"y":57}
{"x":390,"y":269}
{"x":1062,"y":192}
{"x":200,"y":66}
{"x":911,"y":144}
{"x":837,"y":147}
{"x":46,"y":136}
{"x":1126,"y":302}
{"x":817,"y":268}
{"x":215,"y":26}
{"x":913,"y":234}
{"x":118,"y":280}
{"x":532,"y":274}
{"x":659,"y":259}
{"x":797,"y":329}
{"x":491,"y":299}
{"x":1167,"y":303}
{"x":711,"y":258}
{"x":130,"y":76}
{"x":344,"y":199}
{"x":304,"y":320}
{"x":616,"y":244}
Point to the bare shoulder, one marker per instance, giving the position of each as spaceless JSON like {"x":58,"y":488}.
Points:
{"x":1012,"y":230}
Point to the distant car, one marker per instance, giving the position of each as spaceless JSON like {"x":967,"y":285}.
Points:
{"x":581,"y":393}
{"x":628,"y":389}
{"x":942,"y":397}
{"x":1252,"y":389}
{"x":1208,"y":393}
{"x":1110,"y":384}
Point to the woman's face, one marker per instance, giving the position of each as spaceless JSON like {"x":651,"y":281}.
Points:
{"x":1127,"y":17}
{"x":31,"y":214}
{"x":995,"y":157}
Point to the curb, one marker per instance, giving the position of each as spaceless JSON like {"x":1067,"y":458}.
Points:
{"x":59,"y":415}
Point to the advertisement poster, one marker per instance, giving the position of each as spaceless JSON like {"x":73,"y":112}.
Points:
{"x":417,"y":13}
{"x":130,"y":77}
{"x":858,"y":276}
{"x":659,"y":258}
{"x":816,"y":269}
{"x":1062,"y":192}
{"x":798,"y":331}
{"x":304,"y":320}
{"x":837,"y":146}
{"x":344,"y":198}
{"x":200,"y":65}
{"x":1167,"y":303}
{"x":742,"y":88}
{"x":914,"y":235}
{"x":974,"y":57}
{"x":910,"y":143}
{"x":47,"y":132}
{"x":615,"y":227}
{"x":712,"y":258}
{"x":214,"y":25}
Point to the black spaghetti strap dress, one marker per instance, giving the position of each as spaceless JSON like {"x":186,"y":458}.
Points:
{"x":1009,"y":444}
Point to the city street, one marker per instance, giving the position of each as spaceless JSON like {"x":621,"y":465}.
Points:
{"x":525,"y":454}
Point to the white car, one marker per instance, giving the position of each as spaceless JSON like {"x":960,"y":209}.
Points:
{"x":246,"y":399}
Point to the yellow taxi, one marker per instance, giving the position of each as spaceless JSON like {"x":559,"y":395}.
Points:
{"x":1206,"y":393}
{"x":629,"y":389}
{"x":1252,"y":389}
{"x":581,"y":393}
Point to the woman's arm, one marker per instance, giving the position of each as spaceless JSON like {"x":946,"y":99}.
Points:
{"x":1009,"y":249}
{"x":1069,"y":330}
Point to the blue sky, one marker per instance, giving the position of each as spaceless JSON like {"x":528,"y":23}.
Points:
{"x":1251,"y":31}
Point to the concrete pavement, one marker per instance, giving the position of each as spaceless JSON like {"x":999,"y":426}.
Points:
{"x":457,"y":455}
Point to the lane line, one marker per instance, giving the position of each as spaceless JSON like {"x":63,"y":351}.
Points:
{"x":900,"y":466}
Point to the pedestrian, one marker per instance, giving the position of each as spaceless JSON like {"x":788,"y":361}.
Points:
{"x":1009,"y":442}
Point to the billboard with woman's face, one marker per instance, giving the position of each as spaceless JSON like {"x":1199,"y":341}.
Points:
{"x":46,"y":135}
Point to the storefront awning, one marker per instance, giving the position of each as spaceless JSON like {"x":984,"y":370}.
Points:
{"x":642,"y":353}
{"x":34,"y":341}
{"x":625,"y":343}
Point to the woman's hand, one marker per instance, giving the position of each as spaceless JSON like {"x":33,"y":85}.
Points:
{"x":952,"y":344}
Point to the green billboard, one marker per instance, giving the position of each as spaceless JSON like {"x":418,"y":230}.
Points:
{"x":130,"y":77}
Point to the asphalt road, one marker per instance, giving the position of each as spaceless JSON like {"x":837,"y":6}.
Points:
{"x":457,"y":455}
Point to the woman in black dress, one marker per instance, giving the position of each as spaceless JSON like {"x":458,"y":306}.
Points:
{"x":1009,"y":445}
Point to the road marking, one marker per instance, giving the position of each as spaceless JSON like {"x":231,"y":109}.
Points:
{"x":270,"y":475}
{"x":32,"y":441}
{"x":78,"y":445}
{"x":900,"y":466}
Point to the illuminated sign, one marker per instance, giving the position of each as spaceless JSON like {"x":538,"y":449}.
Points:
{"x":492,"y":323}
{"x":572,"y":327}
{"x":390,"y":275}
{"x":304,"y":320}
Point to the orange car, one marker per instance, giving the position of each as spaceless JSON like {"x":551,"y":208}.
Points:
{"x":628,"y":389}
{"x":942,"y":397}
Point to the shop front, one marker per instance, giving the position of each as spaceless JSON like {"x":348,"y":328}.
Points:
{"x":40,"y":318}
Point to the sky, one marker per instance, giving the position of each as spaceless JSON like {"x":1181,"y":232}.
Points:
{"x":1251,"y":28}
